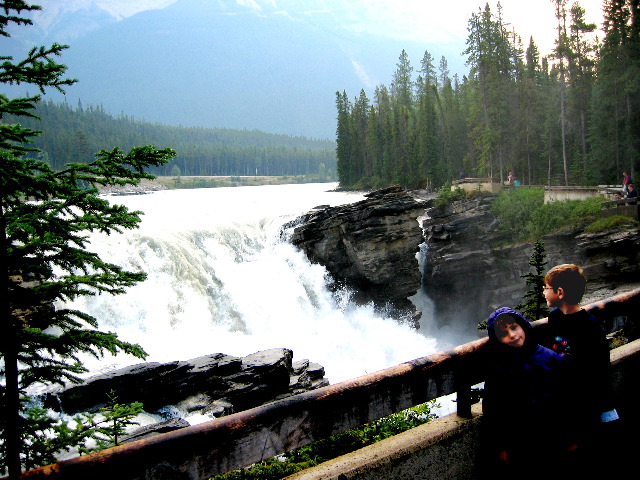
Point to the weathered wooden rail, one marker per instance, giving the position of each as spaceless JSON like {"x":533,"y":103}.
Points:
{"x":223,"y":444}
{"x":620,"y":202}
{"x":628,"y":207}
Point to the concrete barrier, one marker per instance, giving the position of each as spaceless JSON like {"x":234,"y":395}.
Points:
{"x":554,"y":194}
{"x":477,"y":184}
{"x":445,"y":449}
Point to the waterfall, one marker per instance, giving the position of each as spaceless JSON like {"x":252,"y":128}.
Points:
{"x":220,"y":279}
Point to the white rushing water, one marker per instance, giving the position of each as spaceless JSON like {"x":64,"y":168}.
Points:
{"x":220,"y":279}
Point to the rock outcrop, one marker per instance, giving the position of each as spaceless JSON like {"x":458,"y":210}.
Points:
{"x":467,"y":276}
{"x":369,"y":246}
{"x":213,"y":385}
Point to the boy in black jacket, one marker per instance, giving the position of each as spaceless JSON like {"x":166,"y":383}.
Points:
{"x":577,"y":335}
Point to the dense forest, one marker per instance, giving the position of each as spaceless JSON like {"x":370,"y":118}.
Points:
{"x":567,"y":119}
{"x":76,"y":134}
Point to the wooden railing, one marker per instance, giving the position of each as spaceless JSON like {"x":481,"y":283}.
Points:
{"x":227,"y":443}
{"x":620,"y":202}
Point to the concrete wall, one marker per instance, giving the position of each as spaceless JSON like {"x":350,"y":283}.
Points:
{"x":441,"y":449}
{"x":445,"y":449}
{"x":553,"y":194}
{"x":475,"y":184}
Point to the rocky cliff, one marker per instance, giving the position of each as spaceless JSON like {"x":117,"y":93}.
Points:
{"x":467,"y":276}
{"x":369,"y":246}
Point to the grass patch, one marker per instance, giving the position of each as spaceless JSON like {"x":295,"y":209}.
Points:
{"x":611,"y":223}
{"x":187,"y":182}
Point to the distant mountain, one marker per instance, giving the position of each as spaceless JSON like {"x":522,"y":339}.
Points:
{"x":220,"y":64}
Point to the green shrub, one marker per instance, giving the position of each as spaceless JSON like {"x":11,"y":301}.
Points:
{"x":445,"y":195}
{"x":610,"y":223}
{"x":523,"y":216}
{"x":515,"y":208}
{"x":555,"y":216}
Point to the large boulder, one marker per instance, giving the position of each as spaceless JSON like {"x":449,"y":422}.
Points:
{"x":369,"y":246}
{"x":215,"y":384}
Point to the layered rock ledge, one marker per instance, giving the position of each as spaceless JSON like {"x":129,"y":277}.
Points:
{"x":467,"y":276}
{"x":212,"y":385}
{"x":369,"y":246}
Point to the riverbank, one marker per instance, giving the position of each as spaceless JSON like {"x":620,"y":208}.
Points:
{"x":188,"y":182}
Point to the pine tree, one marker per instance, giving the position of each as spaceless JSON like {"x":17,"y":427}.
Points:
{"x":117,"y":417}
{"x":614,"y":134}
{"x":46,"y":217}
{"x":535,"y":305}
{"x":344,"y":141}
{"x":493,"y":71}
{"x":402,"y":85}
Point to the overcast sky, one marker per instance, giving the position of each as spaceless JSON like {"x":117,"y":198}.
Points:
{"x":437,"y":21}
{"x":432,"y":21}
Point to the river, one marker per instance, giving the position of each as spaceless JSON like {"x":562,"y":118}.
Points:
{"x":220,"y":279}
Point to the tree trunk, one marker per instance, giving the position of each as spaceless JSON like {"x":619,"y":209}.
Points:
{"x":563,"y":121}
{"x":11,"y":400}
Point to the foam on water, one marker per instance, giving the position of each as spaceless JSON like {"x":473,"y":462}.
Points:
{"x":220,"y":279}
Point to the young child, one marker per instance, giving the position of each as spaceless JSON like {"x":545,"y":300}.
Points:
{"x":524,"y":404}
{"x":575,"y":333}
{"x":577,"y":336}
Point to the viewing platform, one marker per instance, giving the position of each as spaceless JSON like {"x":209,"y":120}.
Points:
{"x":613,"y":206}
{"x":551,"y":193}
{"x":441,"y":449}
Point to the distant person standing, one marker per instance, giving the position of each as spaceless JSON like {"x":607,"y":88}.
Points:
{"x":511,"y":178}
{"x":626,"y":180}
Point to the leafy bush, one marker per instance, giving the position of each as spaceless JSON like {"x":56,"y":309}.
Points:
{"x":332,"y":447}
{"x":515,"y":208}
{"x":523,"y":215}
{"x":446,"y":195}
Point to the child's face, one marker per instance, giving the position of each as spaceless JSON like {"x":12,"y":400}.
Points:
{"x":551,"y":296}
{"x":510,"y":334}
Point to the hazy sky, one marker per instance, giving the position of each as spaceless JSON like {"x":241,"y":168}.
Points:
{"x":432,"y":21}
{"x":437,"y":21}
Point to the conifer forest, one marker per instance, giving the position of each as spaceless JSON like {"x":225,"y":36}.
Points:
{"x":569,"y":118}
{"x":74,"y":134}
